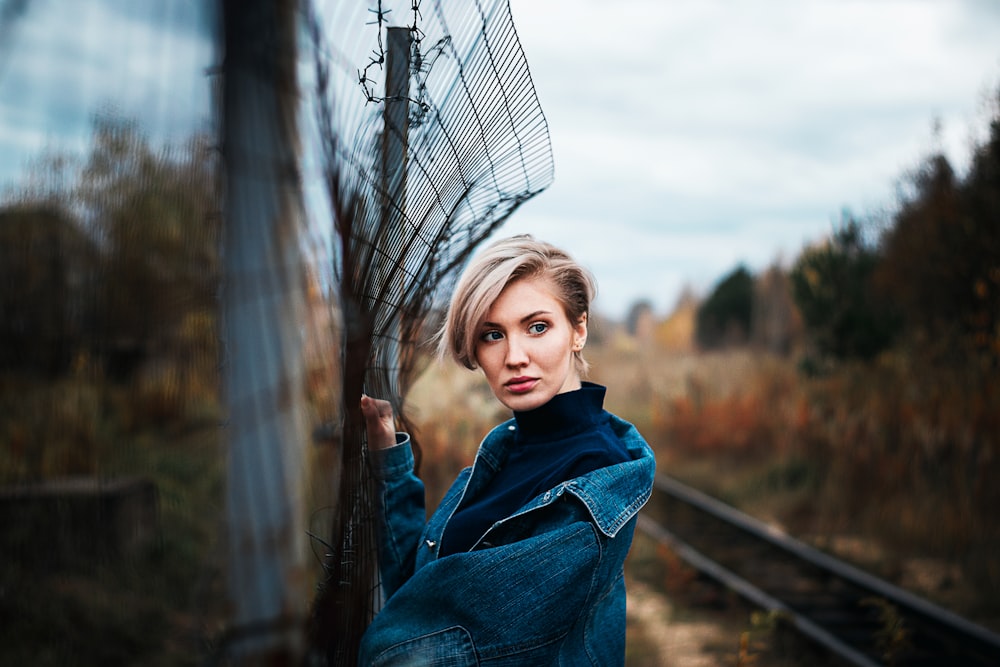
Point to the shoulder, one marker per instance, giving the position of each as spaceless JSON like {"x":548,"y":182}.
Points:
{"x":494,"y":447}
{"x":629,"y":436}
{"x":615,"y":493}
{"x":598,"y":448}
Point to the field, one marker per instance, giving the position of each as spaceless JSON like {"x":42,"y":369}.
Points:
{"x":875,"y":464}
{"x":162,"y":600}
{"x":889,"y":472}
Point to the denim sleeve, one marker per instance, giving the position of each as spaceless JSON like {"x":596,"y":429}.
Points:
{"x":518,"y":600}
{"x":401,"y":512}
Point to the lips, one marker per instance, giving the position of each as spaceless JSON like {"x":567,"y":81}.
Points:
{"x":521,"y":385}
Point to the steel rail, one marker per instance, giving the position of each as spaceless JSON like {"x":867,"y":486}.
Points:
{"x":977,"y":641}
{"x":748,"y":591}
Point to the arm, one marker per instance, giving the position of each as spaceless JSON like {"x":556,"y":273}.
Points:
{"x":401,"y":509}
{"x":521,"y":599}
{"x":400,"y":494}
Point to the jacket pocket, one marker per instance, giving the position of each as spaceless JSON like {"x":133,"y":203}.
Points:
{"x":452,"y":647}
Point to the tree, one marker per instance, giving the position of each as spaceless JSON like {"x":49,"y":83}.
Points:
{"x":119,"y":258}
{"x":920,"y":251}
{"x":941,"y":255}
{"x":156,"y":222}
{"x":47,"y":268}
{"x":832,"y":286}
{"x":981,"y":194}
{"x":724,"y":318}
{"x":639,"y":319}
{"x":776,"y":323}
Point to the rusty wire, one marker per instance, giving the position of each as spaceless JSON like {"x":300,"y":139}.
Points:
{"x":472,"y":146}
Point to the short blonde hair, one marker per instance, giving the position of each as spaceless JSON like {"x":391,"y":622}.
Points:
{"x":490,"y":272}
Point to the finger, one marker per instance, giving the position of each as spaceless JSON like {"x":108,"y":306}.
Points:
{"x":374,"y":408}
{"x":379,"y":422}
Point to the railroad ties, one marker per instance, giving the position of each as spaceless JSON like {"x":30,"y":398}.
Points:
{"x":839,"y":607}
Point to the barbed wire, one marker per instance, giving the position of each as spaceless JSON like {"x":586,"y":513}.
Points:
{"x":377,"y":59}
{"x":409,"y":203}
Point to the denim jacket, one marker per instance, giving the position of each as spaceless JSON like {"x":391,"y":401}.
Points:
{"x":543,"y":586}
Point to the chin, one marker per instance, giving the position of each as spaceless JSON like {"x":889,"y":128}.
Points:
{"x":523,"y":402}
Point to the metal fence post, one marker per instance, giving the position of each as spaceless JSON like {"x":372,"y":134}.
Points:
{"x":263,"y":314}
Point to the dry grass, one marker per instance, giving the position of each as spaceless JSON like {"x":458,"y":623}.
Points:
{"x":894,"y":455}
{"x":157,"y":603}
{"x":890,"y":465}
{"x":453,"y":409}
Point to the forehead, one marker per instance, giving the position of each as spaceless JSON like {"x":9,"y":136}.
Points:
{"x":524,"y":297}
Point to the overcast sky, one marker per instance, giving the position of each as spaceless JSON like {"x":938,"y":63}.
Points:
{"x":689,"y":135}
{"x":692,"y":135}
{"x":63,"y":61}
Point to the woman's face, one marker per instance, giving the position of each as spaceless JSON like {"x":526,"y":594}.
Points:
{"x":525,"y":345}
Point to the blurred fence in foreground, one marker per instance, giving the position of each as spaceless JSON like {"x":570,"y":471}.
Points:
{"x":217,"y":226}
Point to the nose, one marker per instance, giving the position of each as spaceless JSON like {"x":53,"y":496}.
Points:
{"x":517,"y":355}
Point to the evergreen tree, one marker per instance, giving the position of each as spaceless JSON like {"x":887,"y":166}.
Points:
{"x":724,"y":318}
{"x":832,"y":287}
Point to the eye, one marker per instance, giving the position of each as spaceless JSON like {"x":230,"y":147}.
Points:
{"x":538,"y":328}
{"x":491,"y":336}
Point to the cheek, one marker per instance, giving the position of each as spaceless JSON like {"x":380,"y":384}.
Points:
{"x":556,"y":352}
{"x":489,"y":360}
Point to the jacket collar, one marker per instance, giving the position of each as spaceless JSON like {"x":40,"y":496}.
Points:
{"x":565,"y":415}
{"x":612,"y":495}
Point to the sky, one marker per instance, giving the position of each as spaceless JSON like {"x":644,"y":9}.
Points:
{"x":689,"y":136}
{"x":61,"y":63}
{"x":694,"y":135}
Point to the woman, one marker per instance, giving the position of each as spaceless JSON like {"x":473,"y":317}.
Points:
{"x":521,"y":564}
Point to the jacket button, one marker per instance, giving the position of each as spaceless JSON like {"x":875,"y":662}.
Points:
{"x":430,"y":544}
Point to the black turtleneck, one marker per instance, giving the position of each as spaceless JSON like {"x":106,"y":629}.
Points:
{"x":567,"y":437}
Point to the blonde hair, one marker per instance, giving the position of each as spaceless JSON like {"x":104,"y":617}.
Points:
{"x":500,"y":264}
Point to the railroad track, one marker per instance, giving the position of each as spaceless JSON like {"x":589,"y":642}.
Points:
{"x":862,"y":619}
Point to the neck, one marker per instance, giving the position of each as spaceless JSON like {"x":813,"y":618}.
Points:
{"x":572,"y":383}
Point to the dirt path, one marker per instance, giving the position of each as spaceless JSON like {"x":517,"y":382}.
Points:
{"x":661,"y":634}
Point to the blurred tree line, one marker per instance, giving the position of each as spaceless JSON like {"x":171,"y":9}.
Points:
{"x":109,"y":273}
{"x":928,"y":280}
{"x":112,"y":262}
{"x":744,"y":309}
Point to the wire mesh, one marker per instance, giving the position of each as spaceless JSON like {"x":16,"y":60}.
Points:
{"x":112,"y":542}
{"x":218,"y":229}
{"x":417,"y":177}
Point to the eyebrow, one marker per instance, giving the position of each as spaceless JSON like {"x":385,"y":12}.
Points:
{"x":526,"y":318}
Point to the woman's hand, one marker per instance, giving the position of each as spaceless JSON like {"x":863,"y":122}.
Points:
{"x":379,"y":422}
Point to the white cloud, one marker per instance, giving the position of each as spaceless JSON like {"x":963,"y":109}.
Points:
{"x":688,"y":135}
{"x":73,"y":60}
{"x":738,"y":131}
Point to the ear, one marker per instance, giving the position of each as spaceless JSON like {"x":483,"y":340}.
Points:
{"x":580,"y":333}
